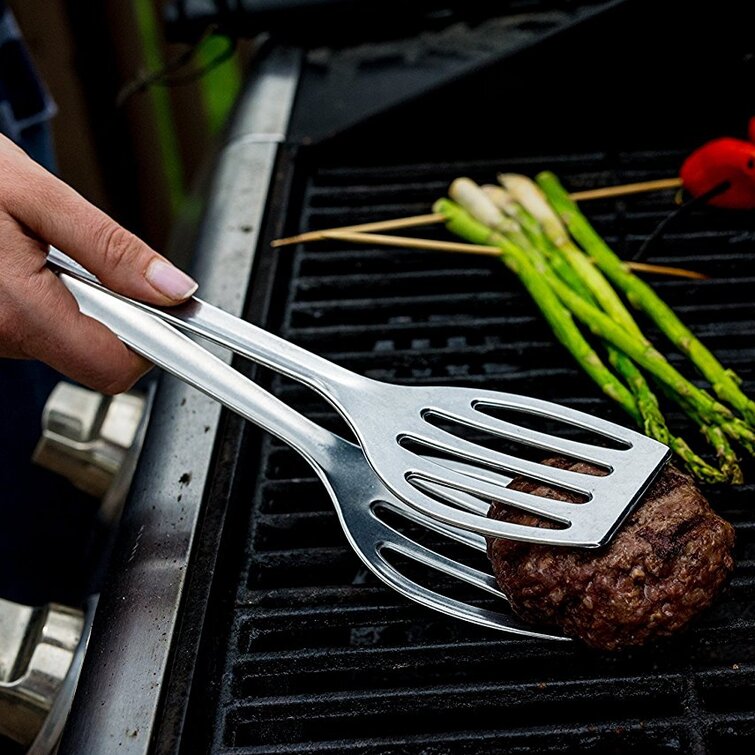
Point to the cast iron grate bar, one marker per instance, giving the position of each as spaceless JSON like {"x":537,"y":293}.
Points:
{"x":321,"y":657}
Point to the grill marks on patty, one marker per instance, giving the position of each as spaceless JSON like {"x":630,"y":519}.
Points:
{"x":666,"y":564}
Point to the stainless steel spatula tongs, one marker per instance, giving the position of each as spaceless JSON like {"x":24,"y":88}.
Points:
{"x":411,"y":435}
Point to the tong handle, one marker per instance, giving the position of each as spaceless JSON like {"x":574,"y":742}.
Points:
{"x":177,"y":354}
{"x":242,"y":337}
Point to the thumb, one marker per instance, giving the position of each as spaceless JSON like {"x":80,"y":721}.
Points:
{"x":59,"y":216}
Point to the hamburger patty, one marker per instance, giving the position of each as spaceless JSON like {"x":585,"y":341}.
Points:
{"x":668,"y":561}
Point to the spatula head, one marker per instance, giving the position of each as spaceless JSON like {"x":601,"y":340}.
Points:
{"x":443,"y":455}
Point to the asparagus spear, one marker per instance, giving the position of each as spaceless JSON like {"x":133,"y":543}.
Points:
{"x":575,"y":269}
{"x":704,"y":405}
{"x":463,"y":224}
{"x":474,"y":200}
{"x":545,"y":239}
{"x":601,"y":325}
{"x":727,"y":459}
{"x":725,"y":382}
{"x":524,"y":201}
{"x":465,"y":192}
{"x":532,"y":201}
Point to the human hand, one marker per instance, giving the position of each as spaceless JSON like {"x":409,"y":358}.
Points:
{"x":39,"y":317}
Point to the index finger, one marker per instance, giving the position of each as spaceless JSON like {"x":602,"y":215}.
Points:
{"x":59,"y":216}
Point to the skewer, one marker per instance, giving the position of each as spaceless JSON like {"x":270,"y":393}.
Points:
{"x":676,"y":272}
{"x":418,"y":220}
{"x":489,"y":251}
{"x":625,"y":189}
{"x":412,"y":243}
{"x":380,"y":225}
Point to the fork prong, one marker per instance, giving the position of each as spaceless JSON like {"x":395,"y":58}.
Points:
{"x":470,"y":539}
{"x":504,"y":622}
{"x":472,"y":452}
{"x":398,"y":542}
{"x":441,"y":563}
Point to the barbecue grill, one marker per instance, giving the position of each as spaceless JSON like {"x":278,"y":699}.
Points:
{"x":235,"y":618}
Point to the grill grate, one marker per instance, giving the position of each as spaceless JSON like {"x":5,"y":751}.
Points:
{"x":320,"y":656}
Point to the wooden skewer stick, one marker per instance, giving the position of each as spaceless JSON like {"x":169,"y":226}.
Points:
{"x":676,"y":272}
{"x":411,"y":243}
{"x":625,"y":189}
{"x":417,"y":220}
{"x":490,"y":251}
{"x":380,"y":225}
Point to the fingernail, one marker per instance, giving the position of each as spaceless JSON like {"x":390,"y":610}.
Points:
{"x":169,"y":280}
